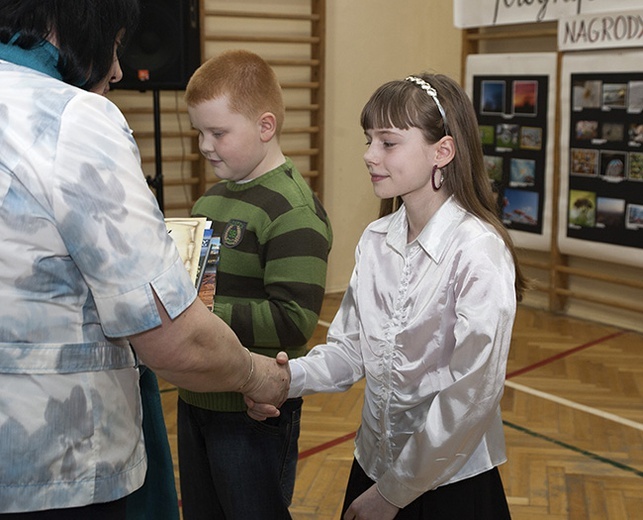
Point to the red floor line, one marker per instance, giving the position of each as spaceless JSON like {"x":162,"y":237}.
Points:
{"x":327,"y":445}
{"x":560,"y":355}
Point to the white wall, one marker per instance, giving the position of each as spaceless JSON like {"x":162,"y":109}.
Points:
{"x":370,"y":42}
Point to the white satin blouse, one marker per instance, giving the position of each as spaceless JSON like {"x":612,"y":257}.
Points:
{"x":428,"y":324}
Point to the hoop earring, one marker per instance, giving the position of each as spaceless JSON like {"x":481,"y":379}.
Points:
{"x":436,"y":187}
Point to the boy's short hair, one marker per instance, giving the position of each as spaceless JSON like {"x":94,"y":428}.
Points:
{"x":249,"y":82}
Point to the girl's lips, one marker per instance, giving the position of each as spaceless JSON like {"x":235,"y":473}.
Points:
{"x":377,"y":178}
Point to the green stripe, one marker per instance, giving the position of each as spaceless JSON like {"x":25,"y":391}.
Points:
{"x":581,"y":451}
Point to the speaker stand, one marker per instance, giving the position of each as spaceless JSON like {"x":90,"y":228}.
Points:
{"x":156,"y":182}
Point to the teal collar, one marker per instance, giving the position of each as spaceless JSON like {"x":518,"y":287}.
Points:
{"x":42,"y":57}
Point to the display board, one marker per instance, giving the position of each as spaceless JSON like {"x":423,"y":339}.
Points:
{"x":601,"y":170}
{"x":514,"y":99}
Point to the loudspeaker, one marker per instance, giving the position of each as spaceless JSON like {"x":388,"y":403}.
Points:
{"x":165,"y":49}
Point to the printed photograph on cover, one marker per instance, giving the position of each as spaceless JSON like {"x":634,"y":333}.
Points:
{"x":206,"y":244}
{"x":208,"y":285}
{"x":187,"y":234}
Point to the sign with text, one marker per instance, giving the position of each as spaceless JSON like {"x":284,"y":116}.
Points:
{"x":601,"y":31}
{"x":483,"y":13}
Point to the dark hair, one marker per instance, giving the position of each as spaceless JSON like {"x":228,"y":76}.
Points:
{"x":403,"y":104}
{"x":85,"y":32}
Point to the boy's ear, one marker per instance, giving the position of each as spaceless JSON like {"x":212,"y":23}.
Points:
{"x":445,"y":151}
{"x":268,"y":126}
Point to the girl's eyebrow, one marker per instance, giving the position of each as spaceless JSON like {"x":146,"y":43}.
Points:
{"x":382,"y":132}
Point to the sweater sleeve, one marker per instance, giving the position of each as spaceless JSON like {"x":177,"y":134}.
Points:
{"x":283,"y":314}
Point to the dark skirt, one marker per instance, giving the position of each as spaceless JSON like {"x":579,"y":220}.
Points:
{"x":481,"y":497}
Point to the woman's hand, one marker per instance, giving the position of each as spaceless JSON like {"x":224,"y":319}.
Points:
{"x":260,"y":411}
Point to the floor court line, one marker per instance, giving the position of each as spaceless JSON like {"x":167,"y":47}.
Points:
{"x":575,"y":406}
{"x":576,"y":449}
{"x":562,"y":355}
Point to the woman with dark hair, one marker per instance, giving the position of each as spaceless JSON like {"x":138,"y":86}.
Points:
{"x":86,"y":269}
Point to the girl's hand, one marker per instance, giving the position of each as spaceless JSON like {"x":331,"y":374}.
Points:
{"x":370,"y":505}
{"x":260,"y":411}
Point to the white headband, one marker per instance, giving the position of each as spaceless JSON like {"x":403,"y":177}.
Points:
{"x":433,"y":93}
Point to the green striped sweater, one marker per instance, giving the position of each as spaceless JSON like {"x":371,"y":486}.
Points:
{"x":275,"y":240}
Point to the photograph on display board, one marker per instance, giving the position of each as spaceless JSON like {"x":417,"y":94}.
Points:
{"x":522,"y":172}
{"x":508,"y":136}
{"x":520,"y":207}
{"x":635,"y":134}
{"x":586,"y":130}
{"x":582,"y":209}
{"x":492,"y":100}
{"x":606,"y":158}
{"x":613,"y":165}
{"x":635,"y":167}
{"x":584,"y":162}
{"x":610,"y":213}
{"x":525,"y":97}
{"x":512,"y":120}
{"x":613,"y":132}
{"x":531,"y":138}
{"x":635,"y":96}
{"x":493,"y":166}
{"x":614,"y":95}
{"x":487,"y":134}
{"x":586,"y":94}
{"x":634,"y":217}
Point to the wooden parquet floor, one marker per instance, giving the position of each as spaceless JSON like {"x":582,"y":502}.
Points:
{"x":573,"y":415}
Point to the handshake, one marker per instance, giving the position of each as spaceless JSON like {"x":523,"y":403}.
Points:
{"x":266,"y":386}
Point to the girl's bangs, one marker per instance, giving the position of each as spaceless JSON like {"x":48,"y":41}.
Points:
{"x":389,"y":107}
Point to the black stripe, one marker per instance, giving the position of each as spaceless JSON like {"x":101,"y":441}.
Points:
{"x":241,"y":323}
{"x":299,"y":242}
{"x":273,"y":203}
{"x":308,"y":296}
{"x":289,"y":336}
{"x":236,"y":286}
{"x":320,"y":210}
{"x":270,"y":201}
